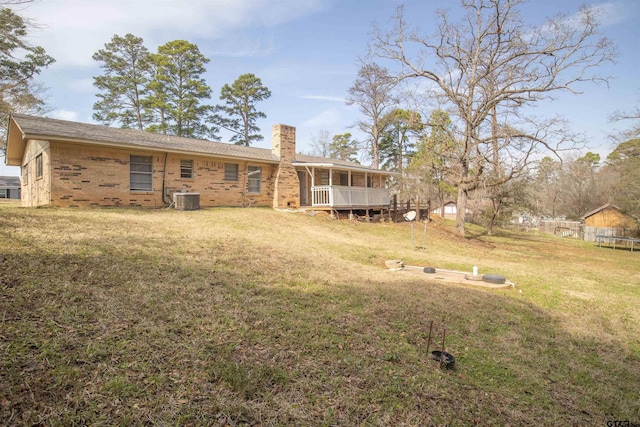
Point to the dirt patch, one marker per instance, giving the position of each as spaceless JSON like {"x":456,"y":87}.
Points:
{"x":456,"y":277}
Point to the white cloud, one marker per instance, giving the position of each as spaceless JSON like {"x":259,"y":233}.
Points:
{"x":64,"y":115}
{"x":608,"y":14}
{"x":324,"y":98}
{"x":72,"y":30}
{"x":333,"y":118}
{"x":611,"y":13}
{"x":82,"y":86}
{"x":242,"y":46}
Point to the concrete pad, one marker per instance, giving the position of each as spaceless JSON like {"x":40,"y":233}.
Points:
{"x":456,"y":277}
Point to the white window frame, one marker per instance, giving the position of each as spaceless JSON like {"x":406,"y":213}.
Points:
{"x":39,"y":166}
{"x":229,"y":173}
{"x":254,"y":179}
{"x":135,"y":162}
{"x":186,"y":169}
{"x":323,"y":177}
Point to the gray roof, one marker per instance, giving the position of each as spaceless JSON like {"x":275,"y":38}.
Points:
{"x":9,"y":182}
{"x":53,"y":129}
{"x":46,"y":128}
{"x":302,"y":159}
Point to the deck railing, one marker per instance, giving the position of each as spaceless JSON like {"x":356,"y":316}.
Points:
{"x":338,"y":196}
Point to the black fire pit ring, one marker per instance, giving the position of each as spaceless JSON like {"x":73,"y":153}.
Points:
{"x":447,"y":359}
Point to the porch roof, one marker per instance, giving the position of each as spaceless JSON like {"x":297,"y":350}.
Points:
{"x":303,"y":160}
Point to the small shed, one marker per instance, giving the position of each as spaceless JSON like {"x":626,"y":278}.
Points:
{"x":448,"y":210}
{"x":9,"y":187}
{"x":609,"y":220}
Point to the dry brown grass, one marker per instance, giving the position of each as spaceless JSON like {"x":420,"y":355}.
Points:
{"x":256,"y":317}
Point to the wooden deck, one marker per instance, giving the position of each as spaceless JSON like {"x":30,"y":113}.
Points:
{"x":344,"y":197}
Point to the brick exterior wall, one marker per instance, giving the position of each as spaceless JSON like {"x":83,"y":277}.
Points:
{"x":81,"y":176}
{"x":84,"y":175}
{"x":286,"y":186}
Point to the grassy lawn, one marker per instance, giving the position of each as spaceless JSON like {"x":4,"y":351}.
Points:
{"x":256,"y":317}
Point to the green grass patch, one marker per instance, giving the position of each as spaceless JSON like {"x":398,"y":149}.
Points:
{"x":256,"y":317}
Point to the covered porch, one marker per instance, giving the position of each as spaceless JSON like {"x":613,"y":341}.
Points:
{"x":338,"y":196}
{"x":342,"y":187}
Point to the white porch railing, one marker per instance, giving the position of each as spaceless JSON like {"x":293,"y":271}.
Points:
{"x":338,"y":196}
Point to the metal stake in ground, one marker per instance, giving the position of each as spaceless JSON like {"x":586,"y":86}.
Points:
{"x":413,"y":247}
{"x":444,"y":333}
{"x":411,"y":216}
{"x":429,"y":340}
{"x":424,"y":235}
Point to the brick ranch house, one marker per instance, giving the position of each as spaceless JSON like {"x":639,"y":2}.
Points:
{"x":70,"y":164}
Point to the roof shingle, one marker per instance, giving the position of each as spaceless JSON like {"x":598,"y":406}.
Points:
{"x":34,"y":127}
{"x":46,"y":128}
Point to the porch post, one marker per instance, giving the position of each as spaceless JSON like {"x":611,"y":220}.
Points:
{"x":350,"y":202}
{"x":331,"y":187}
{"x":366,"y":189}
{"x":313,"y":183}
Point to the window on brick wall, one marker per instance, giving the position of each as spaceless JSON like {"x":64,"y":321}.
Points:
{"x":231,"y":172}
{"x":39,"y":166}
{"x":186,"y":169}
{"x":324,"y":177}
{"x":140,"y":173}
{"x":255,"y":179}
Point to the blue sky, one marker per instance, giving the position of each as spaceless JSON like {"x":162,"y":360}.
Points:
{"x":305,"y":51}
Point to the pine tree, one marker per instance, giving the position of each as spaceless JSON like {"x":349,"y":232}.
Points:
{"x":127,"y":71}
{"x":19,"y":64}
{"x":240,"y":99}
{"x":342,"y":147}
{"x":177,"y":89}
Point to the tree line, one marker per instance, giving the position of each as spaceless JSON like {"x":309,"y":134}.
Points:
{"x":164,"y":92}
{"x":454,"y":111}
{"x":451,"y":111}
{"x":161,"y":92}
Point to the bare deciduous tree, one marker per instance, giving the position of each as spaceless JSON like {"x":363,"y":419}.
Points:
{"x":634,"y":117}
{"x":321,"y":143}
{"x":372,"y":93}
{"x":486,"y":70}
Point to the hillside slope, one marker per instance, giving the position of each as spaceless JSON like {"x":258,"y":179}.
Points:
{"x":257,"y":317}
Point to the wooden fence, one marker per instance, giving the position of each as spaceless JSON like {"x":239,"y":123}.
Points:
{"x":590,"y":233}
{"x":560,"y":228}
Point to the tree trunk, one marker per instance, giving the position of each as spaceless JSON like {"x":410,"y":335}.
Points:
{"x":491,"y":222}
{"x":461,"y":208}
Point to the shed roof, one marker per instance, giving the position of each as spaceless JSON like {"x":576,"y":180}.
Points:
{"x":9,"y":182}
{"x":601,"y":208}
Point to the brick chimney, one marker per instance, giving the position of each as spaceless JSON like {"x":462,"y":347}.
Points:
{"x":286,"y":192}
